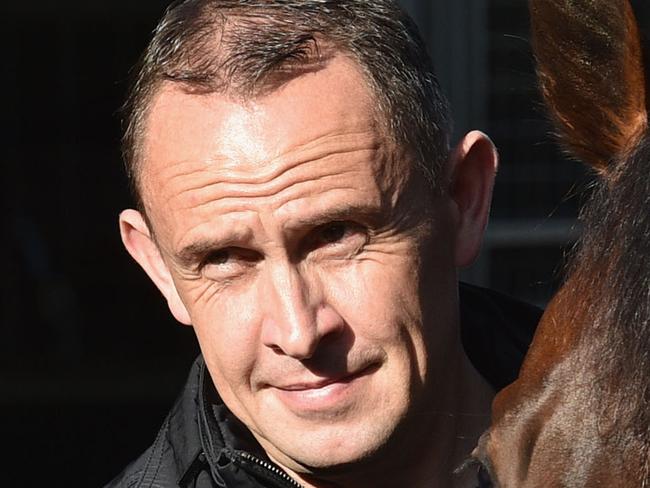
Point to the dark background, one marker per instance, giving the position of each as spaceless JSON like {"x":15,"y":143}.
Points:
{"x":90,"y":358}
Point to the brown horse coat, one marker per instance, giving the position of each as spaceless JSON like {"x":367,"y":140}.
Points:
{"x":579,"y":413}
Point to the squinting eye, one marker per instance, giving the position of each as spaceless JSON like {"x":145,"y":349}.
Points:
{"x":333,"y":232}
{"x":231,"y":255}
{"x":337,"y":239}
{"x":218,"y":257}
{"x":229,"y":263}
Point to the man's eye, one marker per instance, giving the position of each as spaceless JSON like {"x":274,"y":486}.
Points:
{"x":232,"y":255}
{"x":332,"y":233}
{"x":218,"y":257}
{"x":228,"y":263}
{"x":338,"y":239}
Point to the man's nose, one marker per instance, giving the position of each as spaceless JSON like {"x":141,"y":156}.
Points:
{"x":296,"y":319}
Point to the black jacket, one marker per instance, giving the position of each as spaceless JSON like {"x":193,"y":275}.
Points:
{"x":202,"y":445}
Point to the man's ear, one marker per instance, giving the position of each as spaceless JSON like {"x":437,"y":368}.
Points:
{"x":140,"y":245}
{"x":473,"y":166}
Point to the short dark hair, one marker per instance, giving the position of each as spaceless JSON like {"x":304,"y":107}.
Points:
{"x":240,"y":47}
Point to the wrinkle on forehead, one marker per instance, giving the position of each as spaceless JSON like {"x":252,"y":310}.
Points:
{"x":283,"y":186}
{"x":309,"y":201}
{"x":316,"y":134}
{"x":247,"y":123}
{"x":240,"y":170}
{"x":191,"y":182}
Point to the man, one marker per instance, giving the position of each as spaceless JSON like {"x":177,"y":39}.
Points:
{"x":301,"y":210}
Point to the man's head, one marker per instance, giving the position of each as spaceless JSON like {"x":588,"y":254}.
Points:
{"x":294,"y":229}
{"x":244,"y":48}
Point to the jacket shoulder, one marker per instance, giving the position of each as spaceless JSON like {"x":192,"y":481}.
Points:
{"x":175,"y":447}
{"x":150,"y":469}
{"x":496,"y":331}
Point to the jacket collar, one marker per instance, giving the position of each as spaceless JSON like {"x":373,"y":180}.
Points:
{"x":220,"y":430}
{"x":207,"y":436}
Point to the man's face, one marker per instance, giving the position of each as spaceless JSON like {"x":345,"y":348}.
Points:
{"x":322,"y":296}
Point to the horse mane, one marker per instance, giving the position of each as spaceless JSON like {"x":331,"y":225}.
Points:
{"x":590,"y":67}
{"x":610,"y":276}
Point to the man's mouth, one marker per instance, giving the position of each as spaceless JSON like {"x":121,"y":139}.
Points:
{"x":324,"y":394}
{"x":323,"y":382}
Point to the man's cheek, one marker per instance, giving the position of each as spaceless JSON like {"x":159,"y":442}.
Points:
{"x":226,"y":326}
{"x":370,"y":291}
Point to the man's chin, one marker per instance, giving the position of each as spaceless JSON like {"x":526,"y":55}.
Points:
{"x":332,"y":456}
{"x":337,"y":470}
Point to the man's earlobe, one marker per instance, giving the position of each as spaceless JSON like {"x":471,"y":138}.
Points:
{"x":137,"y":240}
{"x":473,"y":166}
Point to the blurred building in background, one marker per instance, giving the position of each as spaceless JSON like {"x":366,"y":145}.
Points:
{"x":482,"y":53}
{"x":90,"y":358}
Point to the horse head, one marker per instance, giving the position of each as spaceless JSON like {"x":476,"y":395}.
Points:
{"x":579,"y":413}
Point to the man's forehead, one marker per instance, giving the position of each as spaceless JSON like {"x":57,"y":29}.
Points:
{"x":324,"y":94}
{"x":314,"y":109}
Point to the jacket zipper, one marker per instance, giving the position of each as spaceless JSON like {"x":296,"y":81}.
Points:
{"x":270,"y":467}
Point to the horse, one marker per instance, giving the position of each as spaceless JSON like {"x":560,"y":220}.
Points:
{"x":579,"y":413}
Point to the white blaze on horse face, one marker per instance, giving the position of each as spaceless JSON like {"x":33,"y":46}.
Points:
{"x":323,"y":299}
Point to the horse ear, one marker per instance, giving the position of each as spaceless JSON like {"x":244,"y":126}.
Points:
{"x":590,"y":67}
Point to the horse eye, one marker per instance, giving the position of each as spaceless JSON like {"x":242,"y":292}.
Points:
{"x":484,"y":478}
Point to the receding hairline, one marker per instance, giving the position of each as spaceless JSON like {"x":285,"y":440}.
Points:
{"x":243,"y":97}
{"x":228,"y":45}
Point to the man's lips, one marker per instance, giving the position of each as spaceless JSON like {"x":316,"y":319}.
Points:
{"x":318,"y":397}
{"x":324,"y":382}
{"x":321,"y":383}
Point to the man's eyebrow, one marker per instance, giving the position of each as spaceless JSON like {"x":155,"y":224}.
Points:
{"x":193,"y":253}
{"x":365,"y":210}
